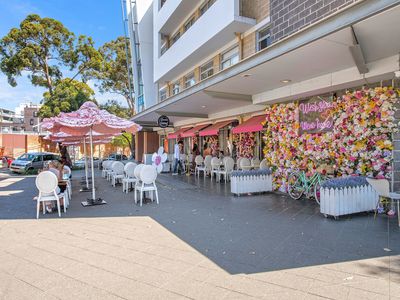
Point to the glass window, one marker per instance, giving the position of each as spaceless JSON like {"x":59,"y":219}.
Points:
{"x":31,"y":121}
{"x":263,"y":38}
{"x":189,"y":80}
{"x":230,"y":58}
{"x":163,"y":94}
{"x":163,"y":2}
{"x":207,"y":70}
{"x":206,"y":6}
{"x":164,"y":46}
{"x":189,"y":24}
{"x":175,"y":37}
{"x":176,"y":87}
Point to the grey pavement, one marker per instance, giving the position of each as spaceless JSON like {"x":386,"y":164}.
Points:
{"x":200,"y":242}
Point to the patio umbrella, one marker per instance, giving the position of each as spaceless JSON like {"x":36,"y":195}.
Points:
{"x":86,"y":120}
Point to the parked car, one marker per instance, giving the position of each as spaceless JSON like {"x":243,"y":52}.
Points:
{"x":7,"y":160}
{"x":32,"y":161}
{"x":80,"y":163}
{"x":115,"y":156}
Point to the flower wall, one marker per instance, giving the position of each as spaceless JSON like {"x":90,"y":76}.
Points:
{"x":360,"y":142}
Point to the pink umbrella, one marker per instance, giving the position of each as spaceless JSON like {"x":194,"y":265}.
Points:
{"x":86,"y":120}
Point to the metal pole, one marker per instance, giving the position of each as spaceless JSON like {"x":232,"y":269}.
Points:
{"x":86,"y":164}
{"x":92,"y":164}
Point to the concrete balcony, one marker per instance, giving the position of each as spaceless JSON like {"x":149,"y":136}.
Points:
{"x":172,"y":13}
{"x":212,"y":31}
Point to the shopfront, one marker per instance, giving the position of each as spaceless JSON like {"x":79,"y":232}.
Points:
{"x":216,"y":139}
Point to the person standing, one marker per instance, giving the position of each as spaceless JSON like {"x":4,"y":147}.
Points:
{"x":177,"y":153}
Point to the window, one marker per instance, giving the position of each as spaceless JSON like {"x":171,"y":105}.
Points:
{"x":31,"y":122}
{"x":263,"y":38}
{"x":189,"y":80}
{"x":163,"y":2}
{"x":164,"y":44}
{"x":207,"y":70}
{"x":175,"y":37}
{"x":206,"y":6}
{"x":176,"y":87}
{"x":230,"y":58}
{"x":163,"y":94}
{"x":35,"y":114}
{"x":189,"y":24}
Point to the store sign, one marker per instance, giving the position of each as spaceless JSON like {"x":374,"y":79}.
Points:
{"x":315,"y":115}
{"x":163,"y":121}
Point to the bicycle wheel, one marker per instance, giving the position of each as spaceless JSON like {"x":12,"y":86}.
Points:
{"x":317,"y":189}
{"x":295,"y":186}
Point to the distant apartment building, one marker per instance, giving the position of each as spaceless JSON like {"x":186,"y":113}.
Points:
{"x":24,"y":119}
{"x":218,"y":63}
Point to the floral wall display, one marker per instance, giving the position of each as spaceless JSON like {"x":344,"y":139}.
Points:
{"x":245,"y":143}
{"x":213,"y":144}
{"x":359,"y":143}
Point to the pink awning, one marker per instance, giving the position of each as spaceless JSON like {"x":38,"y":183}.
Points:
{"x":193,"y":132}
{"x":214,"y":129}
{"x":177,"y":133}
{"x":251,"y":125}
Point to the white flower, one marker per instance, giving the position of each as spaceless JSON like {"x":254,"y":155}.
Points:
{"x":159,"y":158}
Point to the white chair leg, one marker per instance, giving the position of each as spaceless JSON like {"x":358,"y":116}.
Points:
{"x":156,"y":195}
{"x":135,"y":191}
{"x":141,"y":197}
{"x":58,"y":208}
{"x":37,"y":208}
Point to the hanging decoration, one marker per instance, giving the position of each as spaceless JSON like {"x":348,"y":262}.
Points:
{"x":246,"y":143}
{"x":360,"y":142}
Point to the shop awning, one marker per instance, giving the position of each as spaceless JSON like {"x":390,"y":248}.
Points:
{"x":214,"y":129}
{"x":192,"y":132}
{"x":177,"y":133}
{"x":251,"y":125}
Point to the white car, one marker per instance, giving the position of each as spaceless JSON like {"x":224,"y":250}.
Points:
{"x":80,"y":163}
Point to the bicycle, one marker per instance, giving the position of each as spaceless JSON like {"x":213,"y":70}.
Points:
{"x":299,"y":183}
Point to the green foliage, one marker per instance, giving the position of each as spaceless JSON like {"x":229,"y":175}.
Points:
{"x":114,"y":107}
{"x":67,"y":96}
{"x":41,"y":47}
{"x":124,"y":140}
{"x":113,"y":74}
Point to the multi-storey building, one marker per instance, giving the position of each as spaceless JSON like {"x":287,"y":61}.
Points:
{"x":206,"y":62}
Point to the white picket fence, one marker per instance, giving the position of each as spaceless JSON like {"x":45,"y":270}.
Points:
{"x":348,"y":200}
{"x":251,"y":184}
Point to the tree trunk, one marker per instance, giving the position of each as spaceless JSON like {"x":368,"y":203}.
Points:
{"x":48,"y":78}
{"x":132,"y":146}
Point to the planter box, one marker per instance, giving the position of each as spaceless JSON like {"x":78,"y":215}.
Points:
{"x":251,"y":182}
{"x":348,"y":200}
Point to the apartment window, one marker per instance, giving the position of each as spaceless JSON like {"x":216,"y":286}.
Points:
{"x":163,"y":48}
{"x":189,"y":80}
{"x":263,"y":38}
{"x":163,"y":93}
{"x":176,"y":87}
{"x":35,"y":114}
{"x":230,"y":58}
{"x":206,"y":6}
{"x":163,"y":2}
{"x":175,"y":37}
{"x":31,"y":122}
{"x":189,"y":24}
{"x":207,"y":70}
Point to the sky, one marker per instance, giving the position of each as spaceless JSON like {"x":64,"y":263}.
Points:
{"x":100,"y":19}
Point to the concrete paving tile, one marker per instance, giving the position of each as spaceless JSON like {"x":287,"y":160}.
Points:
{"x":70,"y":289}
{"x":17,"y":289}
{"x":295,"y":295}
{"x":245,"y":285}
{"x":134,"y":290}
{"x":238,"y":296}
{"x":166,"y":295}
{"x":196,"y":290}
{"x":284,"y":279}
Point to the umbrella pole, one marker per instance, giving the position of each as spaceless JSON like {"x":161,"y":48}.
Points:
{"x":86,"y":188}
{"x":92,"y":164}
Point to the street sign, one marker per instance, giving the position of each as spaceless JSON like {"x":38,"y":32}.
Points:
{"x":163,"y":121}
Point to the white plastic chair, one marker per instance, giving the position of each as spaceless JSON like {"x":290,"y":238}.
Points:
{"x":200,"y":167}
{"x":148,"y":176}
{"x":255,"y":163}
{"x":129,"y":176}
{"x":215,"y":166}
{"x":136,"y":174}
{"x":229,"y":165}
{"x":245,"y":164}
{"x":264,"y":164}
{"x":238,"y":163}
{"x":117,"y":172}
{"x":106,"y":165}
{"x":47,"y":184}
{"x":109,"y":169}
{"x":382,"y":187}
{"x":207,"y":165}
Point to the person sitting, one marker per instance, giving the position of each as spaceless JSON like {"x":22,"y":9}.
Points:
{"x":195,"y":152}
{"x":207,"y":150}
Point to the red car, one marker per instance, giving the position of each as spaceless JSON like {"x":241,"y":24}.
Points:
{"x":8,"y":160}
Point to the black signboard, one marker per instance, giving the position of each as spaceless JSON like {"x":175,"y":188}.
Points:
{"x":163,"y":121}
{"x":315,"y":115}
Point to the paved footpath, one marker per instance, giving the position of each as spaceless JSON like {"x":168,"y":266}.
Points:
{"x":197,"y":244}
